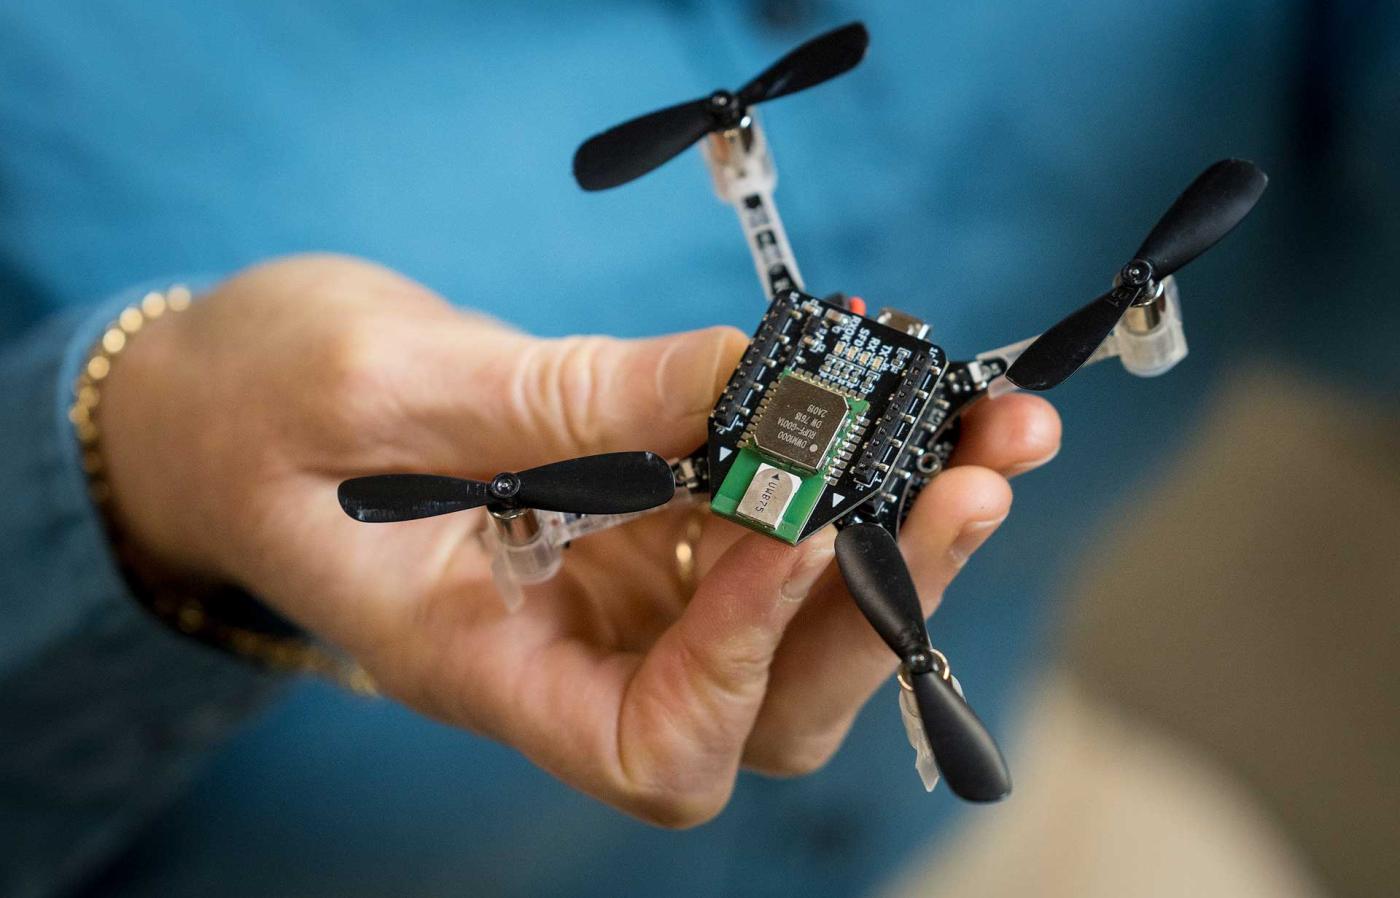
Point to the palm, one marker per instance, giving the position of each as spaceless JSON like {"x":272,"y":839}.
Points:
{"x":618,"y":591}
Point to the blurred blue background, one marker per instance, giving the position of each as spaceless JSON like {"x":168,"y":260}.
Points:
{"x":989,"y":166}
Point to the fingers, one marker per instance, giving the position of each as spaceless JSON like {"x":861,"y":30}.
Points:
{"x":592,"y":394}
{"x":831,"y":661}
{"x":505,"y":401}
{"x":686,"y":711}
{"x":1011,"y":434}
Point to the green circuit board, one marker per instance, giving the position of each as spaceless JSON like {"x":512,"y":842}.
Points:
{"x":784,"y":462}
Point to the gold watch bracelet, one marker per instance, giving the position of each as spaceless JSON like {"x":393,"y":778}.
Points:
{"x":220,"y":616}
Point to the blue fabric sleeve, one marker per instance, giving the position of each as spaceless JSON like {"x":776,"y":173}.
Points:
{"x":104,"y":712}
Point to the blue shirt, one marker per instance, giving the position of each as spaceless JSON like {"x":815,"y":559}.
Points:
{"x":985,"y":168}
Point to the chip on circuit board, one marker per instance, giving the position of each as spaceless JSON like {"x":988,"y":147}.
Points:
{"x":799,"y":421}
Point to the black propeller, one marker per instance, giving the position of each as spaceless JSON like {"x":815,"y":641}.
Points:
{"x":1219,"y":198}
{"x":966,"y":754}
{"x":615,"y":483}
{"x":635,"y":147}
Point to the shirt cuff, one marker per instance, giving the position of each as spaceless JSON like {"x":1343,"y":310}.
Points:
{"x":105,"y":710}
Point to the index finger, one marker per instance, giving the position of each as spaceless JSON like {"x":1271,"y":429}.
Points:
{"x":1010,"y":434}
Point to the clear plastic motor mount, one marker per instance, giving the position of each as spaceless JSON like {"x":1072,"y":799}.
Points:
{"x":739,"y":162}
{"x":523,"y":551}
{"x":1150,"y":338}
{"x":924,"y":761}
{"x":527,"y":546}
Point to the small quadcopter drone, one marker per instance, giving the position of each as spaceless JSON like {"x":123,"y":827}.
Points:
{"x":833,"y":417}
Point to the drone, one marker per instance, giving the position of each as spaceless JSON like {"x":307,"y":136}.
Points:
{"x":833,"y":417}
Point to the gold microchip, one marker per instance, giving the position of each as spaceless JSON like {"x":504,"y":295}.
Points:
{"x":799,"y":422}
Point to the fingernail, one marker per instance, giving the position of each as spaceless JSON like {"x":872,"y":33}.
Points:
{"x":972,"y":535}
{"x":817,"y":553}
{"x":1032,"y":465}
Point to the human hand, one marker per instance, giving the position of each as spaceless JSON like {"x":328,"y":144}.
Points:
{"x":227,"y":429}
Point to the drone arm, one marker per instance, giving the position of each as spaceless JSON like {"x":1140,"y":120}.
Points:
{"x":527,"y":546}
{"x":744,"y":176}
{"x":571,"y":527}
{"x":768,"y":243}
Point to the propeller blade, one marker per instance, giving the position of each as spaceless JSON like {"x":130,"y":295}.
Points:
{"x":1206,"y":211}
{"x":967,"y":756}
{"x":614,"y":483}
{"x":1219,"y":198}
{"x":820,"y":59}
{"x":875,"y":573}
{"x":635,"y":147}
{"x":385,"y":498}
{"x":1058,"y":353}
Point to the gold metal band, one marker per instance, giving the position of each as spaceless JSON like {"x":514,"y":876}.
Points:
{"x":188,"y":608}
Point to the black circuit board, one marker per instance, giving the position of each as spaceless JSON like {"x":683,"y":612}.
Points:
{"x":892,"y":376}
{"x":931,"y":445}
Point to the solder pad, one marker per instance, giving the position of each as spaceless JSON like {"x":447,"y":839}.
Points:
{"x":798,"y":422}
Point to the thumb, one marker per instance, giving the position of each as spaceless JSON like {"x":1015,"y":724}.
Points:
{"x":584,"y":395}
{"x":688,"y":710}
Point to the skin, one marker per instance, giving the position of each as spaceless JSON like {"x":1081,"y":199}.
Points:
{"x":227,"y":428}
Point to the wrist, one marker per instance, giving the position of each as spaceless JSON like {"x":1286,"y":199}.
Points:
{"x":132,"y":422}
{"x":131,"y":430}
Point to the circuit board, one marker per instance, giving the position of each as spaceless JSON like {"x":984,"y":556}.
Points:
{"x":819,"y":418}
{"x":931,"y":444}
